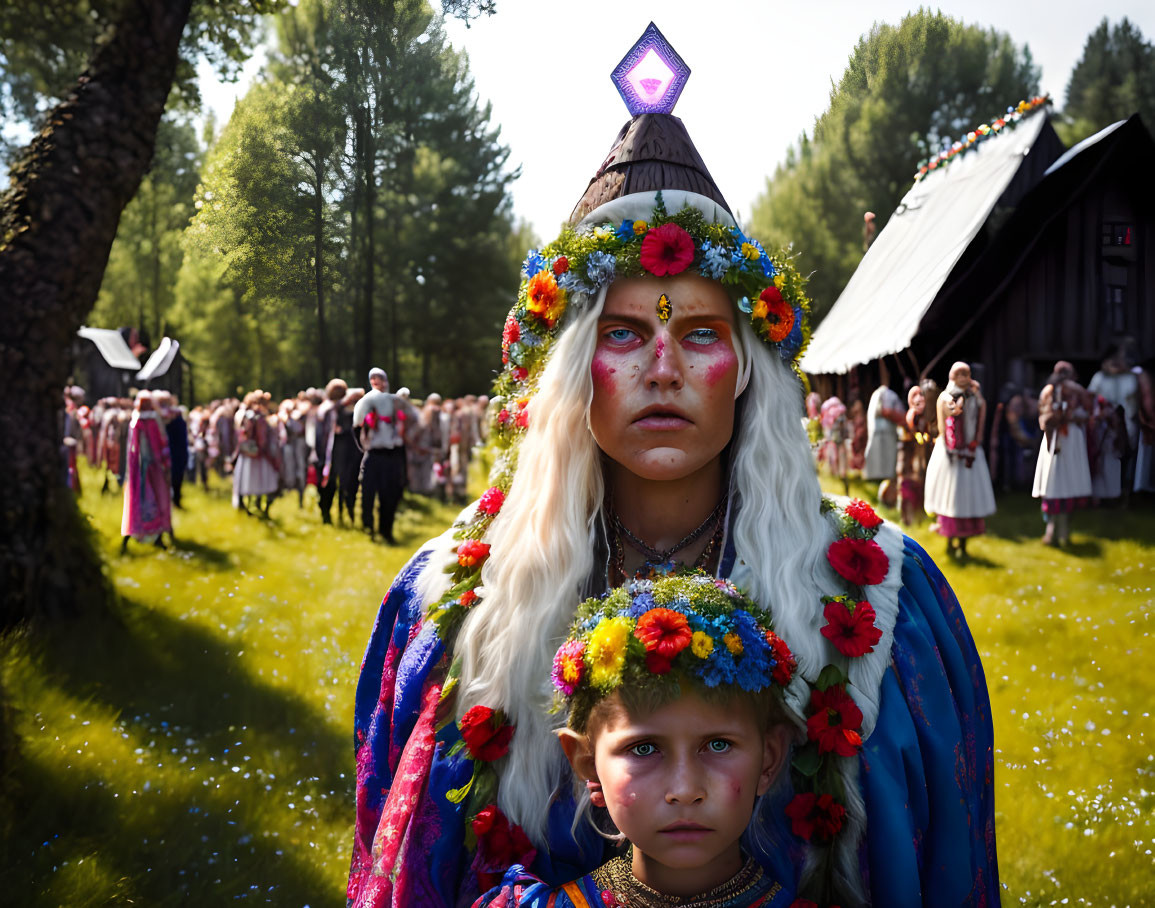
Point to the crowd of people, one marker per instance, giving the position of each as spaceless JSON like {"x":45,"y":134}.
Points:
{"x":339,"y":439}
{"x":930,"y":455}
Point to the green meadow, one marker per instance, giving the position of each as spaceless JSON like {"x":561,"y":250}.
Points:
{"x":196,"y":746}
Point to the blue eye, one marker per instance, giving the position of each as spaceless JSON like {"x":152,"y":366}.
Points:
{"x":702,"y":336}
{"x":719,"y":746}
{"x":643,"y":750}
{"x":619,"y":335}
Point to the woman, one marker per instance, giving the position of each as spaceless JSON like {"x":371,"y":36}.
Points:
{"x":958,"y":482}
{"x":147,"y":510}
{"x":1063,"y":473}
{"x":651,"y":419}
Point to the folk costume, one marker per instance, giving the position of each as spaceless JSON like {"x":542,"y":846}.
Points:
{"x":958,"y":482}
{"x":884,"y":409}
{"x":890,"y":798}
{"x":147,"y":499}
{"x":614,"y":884}
{"x":1063,"y":471}
{"x":381,"y":420}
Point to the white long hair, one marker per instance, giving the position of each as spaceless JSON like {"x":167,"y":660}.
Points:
{"x":542,"y":546}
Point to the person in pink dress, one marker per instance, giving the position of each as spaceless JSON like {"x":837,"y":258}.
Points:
{"x":147,"y":497}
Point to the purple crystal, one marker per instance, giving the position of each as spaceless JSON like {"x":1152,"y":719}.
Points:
{"x":651,"y":76}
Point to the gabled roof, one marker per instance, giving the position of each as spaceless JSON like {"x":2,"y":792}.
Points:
{"x":882,"y":306}
{"x":160,"y":361}
{"x":111,"y":346}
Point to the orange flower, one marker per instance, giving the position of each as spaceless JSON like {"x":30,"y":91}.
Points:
{"x":471,"y":552}
{"x":778,"y":313}
{"x":664,"y":631}
{"x":544,"y":298}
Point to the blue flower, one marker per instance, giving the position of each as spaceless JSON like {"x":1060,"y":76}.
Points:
{"x":600,"y":267}
{"x":625,"y":232}
{"x":533,"y":263}
{"x":641,"y":605}
{"x":715,"y":261}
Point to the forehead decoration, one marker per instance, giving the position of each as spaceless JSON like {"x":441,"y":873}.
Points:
{"x":665,"y":309}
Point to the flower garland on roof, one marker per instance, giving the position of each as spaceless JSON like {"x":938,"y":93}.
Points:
{"x":980,"y":134}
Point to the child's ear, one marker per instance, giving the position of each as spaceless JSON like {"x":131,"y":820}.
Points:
{"x":775,"y":751}
{"x":579,"y":752}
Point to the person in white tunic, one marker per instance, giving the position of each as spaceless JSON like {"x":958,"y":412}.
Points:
{"x":1063,"y":473}
{"x":958,"y":483}
{"x":884,"y":414}
{"x":1120,"y":386}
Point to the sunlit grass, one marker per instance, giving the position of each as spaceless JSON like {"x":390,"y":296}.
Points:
{"x":198,"y":748}
{"x":1065,"y":640}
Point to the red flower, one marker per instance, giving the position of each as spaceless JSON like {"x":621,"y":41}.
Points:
{"x":468,"y":598}
{"x":503,"y":416}
{"x":861,"y":561}
{"x":491,"y":501}
{"x":666,"y":250}
{"x":863,"y":513}
{"x":778,"y":313}
{"x":471,"y":552}
{"x":851,"y":631}
{"x":511,"y":334}
{"x":523,"y":418}
{"x":834,"y":722}
{"x":520,"y":373}
{"x":561,"y":266}
{"x":784,"y":659}
{"x":657,"y":664}
{"x":815,"y":815}
{"x":499,"y":842}
{"x":664,"y":632}
{"x":485,"y":733}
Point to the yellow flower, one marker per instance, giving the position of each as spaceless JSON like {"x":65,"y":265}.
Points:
{"x":640,"y":227}
{"x":780,"y":280}
{"x":733,"y":643}
{"x":701,"y":644}
{"x":606,"y":651}
{"x":761,"y":310}
{"x":751,"y":251}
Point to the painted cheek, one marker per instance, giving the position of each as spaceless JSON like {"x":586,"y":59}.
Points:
{"x":721,"y":365}
{"x":602,"y":373}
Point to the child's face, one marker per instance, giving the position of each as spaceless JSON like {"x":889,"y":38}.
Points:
{"x":680,"y":784}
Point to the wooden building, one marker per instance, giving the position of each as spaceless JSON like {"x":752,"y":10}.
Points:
{"x":1059,"y":264}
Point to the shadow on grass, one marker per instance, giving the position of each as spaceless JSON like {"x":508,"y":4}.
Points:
{"x":205,"y":555}
{"x":971,"y":559}
{"x":200,"y":843}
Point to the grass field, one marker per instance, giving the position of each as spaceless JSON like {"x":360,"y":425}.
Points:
{"x":198,"y":749}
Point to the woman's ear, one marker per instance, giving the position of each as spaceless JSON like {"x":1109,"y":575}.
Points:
{"x":579,"y":751}
{"x":775,"y":752}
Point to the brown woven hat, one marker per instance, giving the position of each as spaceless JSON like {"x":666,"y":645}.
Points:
{"x":652,"y":152}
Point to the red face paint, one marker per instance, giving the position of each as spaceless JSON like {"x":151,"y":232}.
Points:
{"x":659,"y":348}
{"x":726,"y":360}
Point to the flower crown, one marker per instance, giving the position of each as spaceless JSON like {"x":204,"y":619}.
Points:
{"x":653,"y":632}
{"x":572,"y":269}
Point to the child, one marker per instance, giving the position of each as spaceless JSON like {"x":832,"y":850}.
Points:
{"x":675,"y":729}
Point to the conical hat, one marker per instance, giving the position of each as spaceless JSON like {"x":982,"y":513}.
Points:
{"x":652,"y":152}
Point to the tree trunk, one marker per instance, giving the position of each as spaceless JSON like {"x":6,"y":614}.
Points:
{"x":369,"y":161}
{"x":58,"y":219}
{"x":318,"y":259}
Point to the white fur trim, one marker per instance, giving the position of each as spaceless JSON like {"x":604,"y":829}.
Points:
{"x":640,"y":205}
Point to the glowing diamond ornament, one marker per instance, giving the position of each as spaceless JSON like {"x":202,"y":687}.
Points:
{"x":651,"y":76}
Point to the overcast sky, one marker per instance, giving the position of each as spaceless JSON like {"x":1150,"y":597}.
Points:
{"x":762,"y":72}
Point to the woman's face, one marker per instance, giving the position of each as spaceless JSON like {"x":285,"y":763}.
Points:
{"x":663,"y":404}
